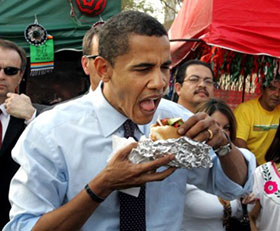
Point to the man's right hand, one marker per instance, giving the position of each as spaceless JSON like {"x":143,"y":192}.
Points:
{"x":120,"y":173}
{"x":19,"y":106}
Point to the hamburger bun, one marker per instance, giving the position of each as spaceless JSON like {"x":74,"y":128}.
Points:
{"x":163,"y":132}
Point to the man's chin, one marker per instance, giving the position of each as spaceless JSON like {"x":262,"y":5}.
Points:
{"x":144,"y":120}
{"x":273,"y":106}
{"x":201,"y":98}
{"x":3,"y":93}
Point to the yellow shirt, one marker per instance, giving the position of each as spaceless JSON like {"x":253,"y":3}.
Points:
{"x":256,"y":126}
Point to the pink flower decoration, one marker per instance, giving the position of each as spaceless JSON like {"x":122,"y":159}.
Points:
{"x":270,"y":187}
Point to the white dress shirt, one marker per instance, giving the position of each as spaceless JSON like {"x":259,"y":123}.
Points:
{"x":5,"y":119}
{"x":65,"y":148}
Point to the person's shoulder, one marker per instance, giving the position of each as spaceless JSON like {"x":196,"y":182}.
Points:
{"x":173,"y":109}
{"x":250,"y":102}
{"x":277,"y":109}
{"x":249,"y":156}
{"x":245,"y":106}
{"x":165,"y":103}
{"x":80,"y":101}
{"x":266,"y":167}
{"x":41,"y":107}
{"x":66,"y":111}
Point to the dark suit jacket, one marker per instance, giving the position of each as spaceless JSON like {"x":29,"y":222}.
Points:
{"x":7,"y":165}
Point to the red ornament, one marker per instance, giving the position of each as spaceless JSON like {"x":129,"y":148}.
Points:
{"x":91,"y":7}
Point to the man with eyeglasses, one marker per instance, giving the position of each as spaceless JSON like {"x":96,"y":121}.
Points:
{"x":90,"y":52}
{"x":194,"y":84}
{"x":258,"y":120}
{"x":16,"y":111}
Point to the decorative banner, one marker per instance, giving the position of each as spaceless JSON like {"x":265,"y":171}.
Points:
{"x":91,"y":7}
{"x":42,"y":58}
{"x":41,"y":49}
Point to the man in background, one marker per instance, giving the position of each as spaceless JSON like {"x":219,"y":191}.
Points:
{"x":90,"y":52}
{"x":16,"y":112}
{"x":194,"y":84}
{"x":258,"y":119}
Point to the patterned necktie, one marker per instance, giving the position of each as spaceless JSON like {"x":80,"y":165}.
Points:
{"x":132,"y":209}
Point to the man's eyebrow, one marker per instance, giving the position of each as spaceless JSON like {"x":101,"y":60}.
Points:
{"x":167,"y":63}
{"x":194,"y":75}
{"x":143,"y":65}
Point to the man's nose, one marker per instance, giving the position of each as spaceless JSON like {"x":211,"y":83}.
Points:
{"x":202,"y":83}
{"x":159,"y":80}
{"x":277,"y":92}
{"x":2,"y":73}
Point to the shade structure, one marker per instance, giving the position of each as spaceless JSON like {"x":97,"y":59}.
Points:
{"x":61,"y":18}
{"x":247,"y":26}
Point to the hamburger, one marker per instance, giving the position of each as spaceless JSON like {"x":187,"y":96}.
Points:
{"x":166,"y":129}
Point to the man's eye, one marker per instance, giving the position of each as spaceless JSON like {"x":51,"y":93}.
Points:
{"x":208,"y":81}
{"x":142,"y":69}
{"x":193,"y":79}
{"x":165,"y":67}
{"x":226,"y":128}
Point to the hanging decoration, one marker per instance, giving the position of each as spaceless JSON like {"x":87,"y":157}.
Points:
{"x":42,"y":58}
{"x":35,"y":34}
{"x":41,"y":49}
{"x":234,"y":70}
{"x":91,"y":7}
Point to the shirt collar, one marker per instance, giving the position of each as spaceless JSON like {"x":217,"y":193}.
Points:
{"x":3,"y":109}
{"x":110,"y":119}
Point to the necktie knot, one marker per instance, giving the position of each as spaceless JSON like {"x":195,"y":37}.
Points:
{"x":129,"y":128}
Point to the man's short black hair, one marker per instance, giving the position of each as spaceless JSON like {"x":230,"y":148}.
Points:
{"x":181,"y":74}
{"x":114,"y":36}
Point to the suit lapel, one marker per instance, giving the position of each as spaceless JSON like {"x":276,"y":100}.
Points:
{"x":15,"y":128}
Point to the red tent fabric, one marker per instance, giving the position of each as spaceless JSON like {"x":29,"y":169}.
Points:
{"x":248,"y":26}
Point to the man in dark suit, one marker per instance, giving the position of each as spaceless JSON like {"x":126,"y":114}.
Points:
{"x":16,"y":112}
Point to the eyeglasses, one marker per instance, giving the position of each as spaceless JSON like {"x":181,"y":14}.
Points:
{"x":195,"y":80}
{"x":91,"y":56}
{"x":10,"y":70}
{"x":97,"y":24}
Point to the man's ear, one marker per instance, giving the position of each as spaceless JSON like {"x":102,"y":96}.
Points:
{"x":177,"y":88}
{"x":85,"y":63}
{"x":103,"y":68}
{"x":20,"y":76}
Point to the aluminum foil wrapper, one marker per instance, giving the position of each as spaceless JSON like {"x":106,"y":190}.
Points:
{"x":188,"y":153}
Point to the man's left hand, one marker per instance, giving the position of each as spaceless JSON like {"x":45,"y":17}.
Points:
{"x":202,"y":127}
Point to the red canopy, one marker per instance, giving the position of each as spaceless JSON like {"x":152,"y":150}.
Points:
{"x":248,"y":26}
